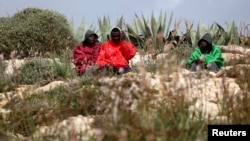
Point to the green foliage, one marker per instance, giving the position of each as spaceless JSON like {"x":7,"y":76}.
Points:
{"x":134,"y":37}
{"x":112,"y":104}
{"x":33,"y":31}
{"x":220,"y":35}
{"x":6,"y":83}
{"x":82,"y":29}
{"x":43,"y":70}
{"x":104,"y":28}
{"x":35,"y":71}
{"x":60,"y":69}
{"x":120,"y":22}
{"x":153,"y":29}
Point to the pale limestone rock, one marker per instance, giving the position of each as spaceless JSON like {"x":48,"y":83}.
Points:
{"x":4,"y":113}
{"x":13,"y":65}
{"x":3,"y":103}
{"x":207,"y":109}
{"x":207,"y":88}
{"x":50,"y":86}
{"x":235,"y":49}
{"x":203,"y":88}
{"x":135,"y":60}
{"x":207,"y":92}
{"x":73,"y":128}
{"x":230,"y":57}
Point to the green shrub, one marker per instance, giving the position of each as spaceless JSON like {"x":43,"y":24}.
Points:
{"x":60,"y":69}
{"x":34,"y":71}
{"x":34,"y":31}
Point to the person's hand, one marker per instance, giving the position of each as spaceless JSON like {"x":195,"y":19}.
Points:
{"x":199,"y":61}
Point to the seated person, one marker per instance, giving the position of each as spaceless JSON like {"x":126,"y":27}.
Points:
{"x":206,"y":55}
{"x":116,"y":53}
{"x":85,"y":54}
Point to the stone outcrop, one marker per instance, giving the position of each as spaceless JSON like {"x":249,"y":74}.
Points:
{"x":204,"y":89}
{"x":73,"y":128}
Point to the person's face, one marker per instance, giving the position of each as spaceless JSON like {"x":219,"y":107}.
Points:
{"x":91,"y":39}
{"x":116,"y":37}
{"x":203,"y":44}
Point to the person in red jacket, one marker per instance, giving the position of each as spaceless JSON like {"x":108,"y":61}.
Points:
{"x":85,"y":54}
{"x":116,"y":53}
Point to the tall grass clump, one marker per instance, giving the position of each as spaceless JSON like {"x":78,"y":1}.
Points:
{"x":236,"y":108}
{"x":60,"y":69}
{"x":150,"y":122}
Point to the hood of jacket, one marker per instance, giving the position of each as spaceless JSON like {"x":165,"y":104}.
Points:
{"x":88,"y":33}
{"x":114,"y":28}
{"x":207,"y":38}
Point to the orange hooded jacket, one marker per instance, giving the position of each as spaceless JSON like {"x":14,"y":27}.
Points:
{"x":116,"y":55}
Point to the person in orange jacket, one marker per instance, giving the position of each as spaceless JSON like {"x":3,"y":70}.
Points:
{"x":116,"y":53}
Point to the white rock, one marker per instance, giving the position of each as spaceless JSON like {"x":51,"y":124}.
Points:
{"x":78,"y":128}
{"x":50,"y":86}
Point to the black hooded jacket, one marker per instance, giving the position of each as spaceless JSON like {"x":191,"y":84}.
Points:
{"x":87,"y":34}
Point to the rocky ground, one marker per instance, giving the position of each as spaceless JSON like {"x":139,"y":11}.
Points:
{"x":205,"y":90}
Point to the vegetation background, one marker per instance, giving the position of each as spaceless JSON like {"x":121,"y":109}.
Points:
{"x":45,"y":39}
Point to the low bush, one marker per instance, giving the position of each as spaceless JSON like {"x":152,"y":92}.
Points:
{"x":35,"y":31}
{"x":35,"y":71}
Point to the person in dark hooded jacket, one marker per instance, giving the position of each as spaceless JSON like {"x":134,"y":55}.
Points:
{"x":206,"y":55}
{"x":86,"y":53}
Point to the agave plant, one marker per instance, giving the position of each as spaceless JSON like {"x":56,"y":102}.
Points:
{"x":190,"y":35}
{"x":103,"y":31}
{"x":104,"y":28}
{"x":225,"y":37}
{"x":81,"y":30}
{"x":219,"y":34}
{"x":233,"y":35}
{"x":244,"y":34}
{"x":153,"y":31}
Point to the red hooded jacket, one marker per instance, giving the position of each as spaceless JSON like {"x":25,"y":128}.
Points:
{"x":116,"y":55}
{"x":85,"y":56}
